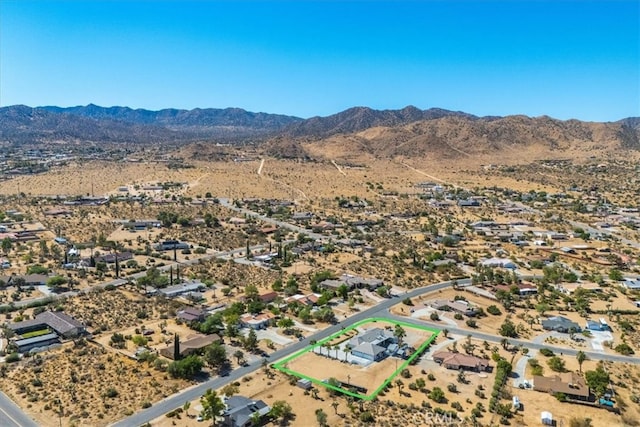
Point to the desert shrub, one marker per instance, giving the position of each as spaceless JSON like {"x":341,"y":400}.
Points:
{"x":434,"y":316}
{"x":366,"y":417}
{"x":493,"y":309}
{"x":556,"y":364}
{"x":546,"y":352}
{"x":624,"y":348}
{"x":111,"y":392}
{"x":11,"y":358}
{"x":560,"y":396}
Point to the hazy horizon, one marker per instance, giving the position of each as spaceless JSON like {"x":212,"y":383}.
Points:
{"x":563,"y":59}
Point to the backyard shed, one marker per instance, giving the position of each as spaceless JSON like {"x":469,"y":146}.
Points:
{"x":305,"y":384}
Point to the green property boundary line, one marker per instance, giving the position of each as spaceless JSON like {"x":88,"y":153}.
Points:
{"x":367,"y":397}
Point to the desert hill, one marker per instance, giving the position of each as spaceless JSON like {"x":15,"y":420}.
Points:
{"x":458,"y":136}
{"x":348,"y":135}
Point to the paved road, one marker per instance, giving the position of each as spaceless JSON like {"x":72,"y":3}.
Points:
{"x":177,"y":400}
{"x":525,"y":343}
{"x":11,"y":415}
{"x":381,"y":310}
{"x":227,"y":204}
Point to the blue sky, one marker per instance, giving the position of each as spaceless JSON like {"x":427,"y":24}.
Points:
{"x":565,"y":59}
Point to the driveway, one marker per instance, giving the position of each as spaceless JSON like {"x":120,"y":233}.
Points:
{"x":269,"y":334}
{"x":426,"y":312}
{"x":598,"y":338}
{"x":521,"y":366}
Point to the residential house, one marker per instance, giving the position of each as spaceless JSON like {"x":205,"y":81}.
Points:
{"x":560,"y":324}
{"x":631,"y":283}
{"x":351,"y":282}
{"x":500,"y":262}
{"x":570,"y":288}
{"x":470,"y":203}
{"x":457,"y":361}
{"x":524,"y":289}
{"x":372,"y":344}
{"x":570,"y":384}
{"x":458,"y":306}
{"x":168,"y":245}
{"x":183,"y":288}
{"x":59,"y":322}
{"x":370,"y":351}
{"x":191,"y":314}
{"x":111,"y":258}
{"x":195,"y":344}
{"x":308,"y":300}
{"x":302,"y":216}
{"x":27,"y":344}
{"x":142,"y":224}
{"x":268,"y":297}
{"x":240,"y":411}
{"x":600,"y":325}
{"x":257,"y":321}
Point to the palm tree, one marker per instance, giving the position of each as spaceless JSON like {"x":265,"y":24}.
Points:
{"x":347,"y":350}
{"x":335,"y":406}
{"x":581,"y":356}
{"x":399,"y":333}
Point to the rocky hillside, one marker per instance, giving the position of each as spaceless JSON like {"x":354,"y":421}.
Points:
{"x":357,"y":131}
{"x":459,"y":136}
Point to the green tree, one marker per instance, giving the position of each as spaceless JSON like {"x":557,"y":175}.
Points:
{"x":239,"y":355}
{"x":598,"y":379}
{"x":616,"y":275}
{"x":399,"y":333}
{"x":437,"y":395}
{"x":508,"y":329}
{"x":56,"y":282}
{"x":212,"y":406}
{"x":186,"y":368}
{"x":176,"y":347}
{"x":281,"y":410}
{"x":216,"y":357}
{"x":250,"y":343}
{"x":321,"y":417}
{"x":6,"y":245}
{"x":286,"y":323}
{"x":581,"y":356}
{"x":343,"y":291}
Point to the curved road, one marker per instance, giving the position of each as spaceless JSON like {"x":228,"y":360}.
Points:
{"x":381,"y":310}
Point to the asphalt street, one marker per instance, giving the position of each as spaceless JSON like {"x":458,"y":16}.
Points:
{"x":11,"y":415}
{"x":380,"y":310}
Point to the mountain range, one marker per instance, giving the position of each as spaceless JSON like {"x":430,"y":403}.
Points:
{"x":385,"y":132}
